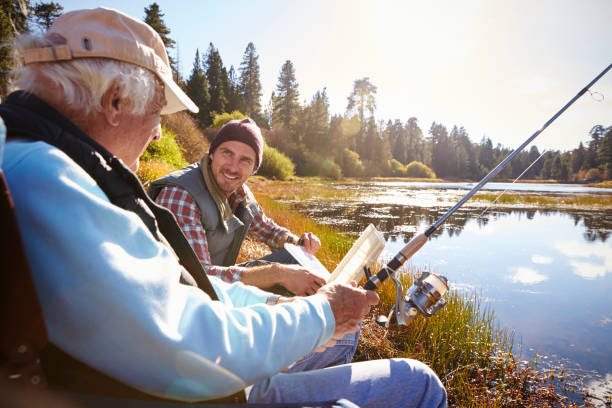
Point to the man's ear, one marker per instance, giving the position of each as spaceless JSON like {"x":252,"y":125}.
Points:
{"x":113,"y":104}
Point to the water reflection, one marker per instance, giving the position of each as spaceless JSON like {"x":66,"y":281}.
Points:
{"x":404,"y":221}
{"x":590,"y":261}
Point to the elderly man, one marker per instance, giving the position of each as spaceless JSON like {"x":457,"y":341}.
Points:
{"x":128,"y":307}
{"x":216,"y":210}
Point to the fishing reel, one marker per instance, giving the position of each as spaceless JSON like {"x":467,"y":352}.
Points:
{"x":425,"y":296}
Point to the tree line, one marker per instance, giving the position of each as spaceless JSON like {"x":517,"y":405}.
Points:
{"x":353,"y":144}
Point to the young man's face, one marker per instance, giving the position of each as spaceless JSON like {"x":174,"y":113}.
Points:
{"x":232,"y":163}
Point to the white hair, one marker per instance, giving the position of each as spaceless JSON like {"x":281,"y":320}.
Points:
{"x":82,"y":82}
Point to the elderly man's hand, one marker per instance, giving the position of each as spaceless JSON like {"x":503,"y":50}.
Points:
{"x":310,"y":242}
{"x":299,"y":280}
{"x":349,"y":305}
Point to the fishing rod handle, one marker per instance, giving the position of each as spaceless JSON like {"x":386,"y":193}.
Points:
{"x":402,"y":256}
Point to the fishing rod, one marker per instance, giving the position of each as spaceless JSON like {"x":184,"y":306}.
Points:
{"x":426,"y":295}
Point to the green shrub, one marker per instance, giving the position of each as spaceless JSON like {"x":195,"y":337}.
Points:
{"x":276,"y":165}
{"x":312,"y":164}
{"x":397,"y":168}
{"x":418,"y":169}
{"x":351,"y":164}
{"x":221,"y":119}
{"x":189,"y":137}
{"x":330,"y":169}
{"x":376,"y":168}
{"x":165,"y":149}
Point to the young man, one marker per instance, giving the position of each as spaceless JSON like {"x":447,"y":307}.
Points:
{"x":127,"y":306}
{"x":216,"y":210}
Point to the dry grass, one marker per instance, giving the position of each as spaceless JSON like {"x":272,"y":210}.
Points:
{"x":150,"y":170}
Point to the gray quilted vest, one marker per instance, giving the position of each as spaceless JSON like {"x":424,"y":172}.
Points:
{"x":224,"y":237}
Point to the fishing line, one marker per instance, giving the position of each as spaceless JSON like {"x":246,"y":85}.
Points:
{"x":597,"y":97}
{"x":508,"y":188}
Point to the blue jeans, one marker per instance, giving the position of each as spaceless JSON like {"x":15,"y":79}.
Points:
{"x":378,"y":383}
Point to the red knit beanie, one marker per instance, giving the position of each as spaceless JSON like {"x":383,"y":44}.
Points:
{"x":245,"y":131}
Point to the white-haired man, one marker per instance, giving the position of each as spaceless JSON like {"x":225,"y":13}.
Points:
{"x":128,"y":308}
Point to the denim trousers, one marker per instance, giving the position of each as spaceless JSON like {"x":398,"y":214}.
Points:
{"x":378,"y":383}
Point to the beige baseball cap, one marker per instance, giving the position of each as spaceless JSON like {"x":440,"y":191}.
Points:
{"x":107,"y":33}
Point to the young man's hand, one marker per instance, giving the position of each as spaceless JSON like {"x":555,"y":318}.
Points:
{"x":310,"y":242}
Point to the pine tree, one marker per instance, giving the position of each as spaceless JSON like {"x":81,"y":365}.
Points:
{"x":415,"y":149}
{"x":398,"y":140}
{"x":605,"y":150}
{"x":472,"y":170}
{"x":460,"y":166}
{"x":286,"y":104}
{"x":197,"y":90}
{"x":362,"y":98}
{"x":337,"y":140}
{"x":225,"y":86}
{"x":13,"y":20}
{"x":317,"y":124}
{"x":558,"y":170}
{"x":591,"y":156}
{"x":154,"y":18}
{"x":442,"y":157}
{"x":44,"y":14}
{"x":485,"y":156}
{"x":250,"y":84}
{"x":536,"y":168}
{"x":233,"y":97}
{"x":216,"y":82}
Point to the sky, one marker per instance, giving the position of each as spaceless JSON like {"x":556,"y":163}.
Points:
{"x":500,"y":69}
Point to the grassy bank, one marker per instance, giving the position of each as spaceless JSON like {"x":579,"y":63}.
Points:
{"x":471,"y":354}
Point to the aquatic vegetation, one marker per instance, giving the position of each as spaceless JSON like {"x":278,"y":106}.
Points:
{"x":542,"y":200}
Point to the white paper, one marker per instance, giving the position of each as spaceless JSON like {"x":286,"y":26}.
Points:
{"x":364,"y":252}
{"x":307,"y":260}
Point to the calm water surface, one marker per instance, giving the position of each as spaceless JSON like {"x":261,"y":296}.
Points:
{"x":546,"y":273}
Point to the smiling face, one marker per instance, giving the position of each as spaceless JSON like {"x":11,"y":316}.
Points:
{"x":232,"y":163}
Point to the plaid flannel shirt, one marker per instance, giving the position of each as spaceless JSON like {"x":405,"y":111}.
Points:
{"x":187,"y":213}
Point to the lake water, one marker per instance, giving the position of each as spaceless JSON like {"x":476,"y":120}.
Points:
{"x":546,"y":273}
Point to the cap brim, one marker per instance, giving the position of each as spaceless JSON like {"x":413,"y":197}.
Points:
{"x":176,"y":99}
